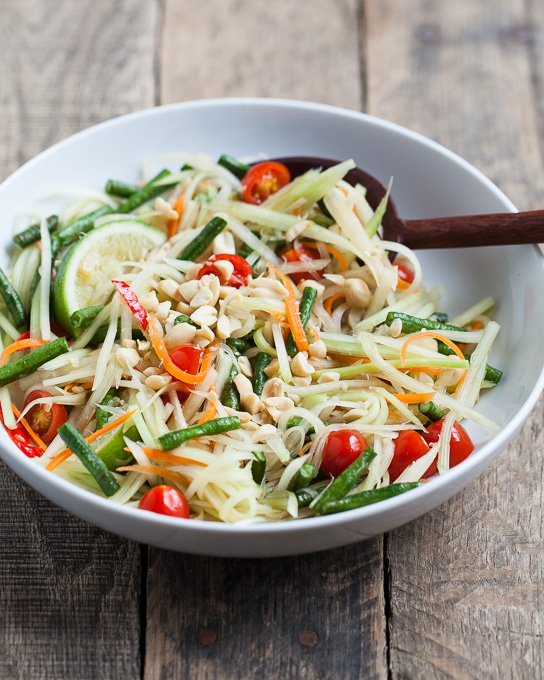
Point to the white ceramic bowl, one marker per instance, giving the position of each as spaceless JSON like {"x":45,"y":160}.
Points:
{"x":429,"y":181}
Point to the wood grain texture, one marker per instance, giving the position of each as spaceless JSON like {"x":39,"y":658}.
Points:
{"x":67,"y":65}
{"x":466,"y":579}
{"x":307,"y":617}
{"x":233,"y":48}
{"x":288,"y":618}
{"x":461,"y":73}
{"x":69,"y":593}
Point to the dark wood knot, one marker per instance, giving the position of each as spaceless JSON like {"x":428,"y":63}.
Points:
{"x":308,"y":638}
{"x":206,"y":637}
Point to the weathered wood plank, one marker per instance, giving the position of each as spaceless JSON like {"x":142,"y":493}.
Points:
{"x":313,"y":616}
{"x":461,"y":73}
{"x":232,"y":48}
{"x":69,"y":593}
{"x":465,"y":580}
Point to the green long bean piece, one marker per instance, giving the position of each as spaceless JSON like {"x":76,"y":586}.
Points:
{"x":239,"y":345}
{"x":302,"y":478}
{"x":31,"y":362}
{"x":258,"y":467}
{"x":309,"y":296}
{"x":244,"y":250}
{"x":259,"y":376}
{"x":82,"y":225}
{"x":183,"y":318}
{"x":146,"y":193}
{"x":82,"y":318}
{"x":83,"y":450}
{"x":359,"y":500}
{"x":33,"y":233}
{"x":121,"y":189}
{"x":229,"y":394}
{"x":203,"y":240}
{"x":347,"y":479}
{"x":431,"y":410}
{"x":171,"y":440}
{"x":307,"y":495}
{"x":413,"y":324}
{"x":235,"y":166}
{"x":12,"y":300}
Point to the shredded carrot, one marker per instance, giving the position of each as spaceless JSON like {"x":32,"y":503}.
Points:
{"x":18,"y":345}
{"x":414,"y":398}
{"x":304,"y":448}
{"x":155,"y":470}
{"x":332,"y":250}
{"x":70,"y":386}
{"x":174,"y":224}
{"x":430,"y":370}
{"x":210,"y":413}
{"x":280,"y":318}
{"x":403,"y":285}
{"x":64,"y":455}
{"x":293,"y":317}
{"x":159,"y":454}
{"x":475,"y":327}
{"x":429,"y":334}
{"x":331,"y":300}
{"x":27,"y":427}
{"x":209,"y":356}
{"x":160,"y":349}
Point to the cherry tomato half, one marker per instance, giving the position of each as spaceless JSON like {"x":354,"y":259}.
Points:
{"x":242,"y":269}
{"x":303,"y":254}
{"x":409,"y":446}
{"x":45,"y":423}
{"x":341,"y":449}
{"x":461,"y":445}
{"x":187,"y":357}
{"x":263,"y":180}
{"x":165,"y":500}
{"x":405,"y":273}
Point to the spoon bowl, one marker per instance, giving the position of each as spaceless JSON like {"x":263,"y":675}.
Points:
{"x":465,"y":231}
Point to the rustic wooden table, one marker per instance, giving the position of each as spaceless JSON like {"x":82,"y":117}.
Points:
{"x":457,"y":593}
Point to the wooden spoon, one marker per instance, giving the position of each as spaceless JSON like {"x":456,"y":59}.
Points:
{"x":466,"y":231}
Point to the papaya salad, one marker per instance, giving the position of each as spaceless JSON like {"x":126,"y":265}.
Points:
{"x":224,"y":342}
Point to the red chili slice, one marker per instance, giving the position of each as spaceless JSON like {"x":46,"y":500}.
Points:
{"x":130,"y":297}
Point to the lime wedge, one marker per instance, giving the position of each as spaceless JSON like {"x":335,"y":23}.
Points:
{"x":84,"y":275}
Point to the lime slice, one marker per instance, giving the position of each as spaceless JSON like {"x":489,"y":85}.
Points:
{"x":84,"y":275}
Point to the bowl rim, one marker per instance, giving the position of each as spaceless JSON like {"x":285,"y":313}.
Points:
{"x":10,"y":453}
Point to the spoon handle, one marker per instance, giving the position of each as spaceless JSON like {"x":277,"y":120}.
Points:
{"x":468,"y":231}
